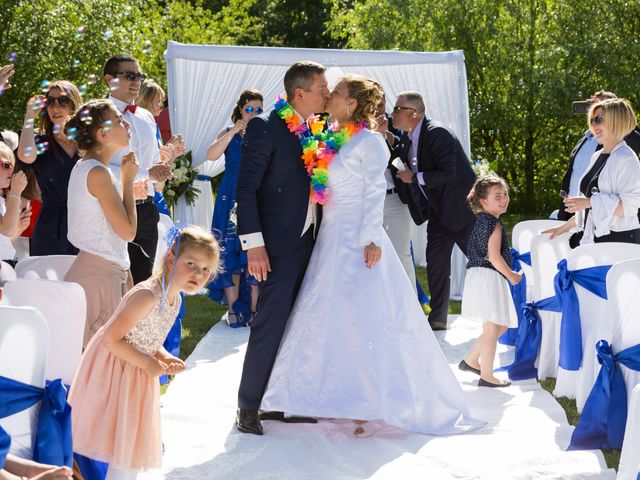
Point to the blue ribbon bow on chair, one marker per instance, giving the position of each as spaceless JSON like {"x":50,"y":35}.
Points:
{"x":593,"y":279}
{"x":519,"y":295}
{"x":53,"y":436}
{"x":604,"y":416}
{"x":5,"y":443}
{"x":529,"y":338}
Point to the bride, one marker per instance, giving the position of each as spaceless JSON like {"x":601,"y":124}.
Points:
{"x":357,"y":344}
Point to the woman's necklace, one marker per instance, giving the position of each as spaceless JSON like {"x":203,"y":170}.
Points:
{"x":319,"y":146}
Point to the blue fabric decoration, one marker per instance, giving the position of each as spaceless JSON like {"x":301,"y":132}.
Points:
{"x":172,"y":342}
{"x":423,"y":298}
{"x":593,"y":279}
{"x":5,"y":443}
{"x":204,"y":178}
{"x":519,"y":295}
{"x":91,"y":469}
{"x":161,"y":204}
{"x":53,"y":436}
{"x":604,"y":417}
{"x":529,"y":337}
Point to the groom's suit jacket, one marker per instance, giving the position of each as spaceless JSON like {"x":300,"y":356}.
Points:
{"x":273,"y":186}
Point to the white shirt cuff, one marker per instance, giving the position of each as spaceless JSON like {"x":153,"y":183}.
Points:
{"x":419,"y":177}
{"x":251,"y":240}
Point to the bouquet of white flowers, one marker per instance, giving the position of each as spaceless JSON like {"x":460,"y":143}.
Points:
{"x":182,"y":182}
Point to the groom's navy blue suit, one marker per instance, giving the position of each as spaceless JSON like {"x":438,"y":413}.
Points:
{"x":272,"y":198}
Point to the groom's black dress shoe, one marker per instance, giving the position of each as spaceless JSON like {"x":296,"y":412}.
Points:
{"x":248,"y":421}
{"x":435,"y":326}
{"x":465,"y":367}
{"x":279,"y":416}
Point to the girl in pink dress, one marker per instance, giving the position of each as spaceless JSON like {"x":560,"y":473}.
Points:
{"x":115,"y":394}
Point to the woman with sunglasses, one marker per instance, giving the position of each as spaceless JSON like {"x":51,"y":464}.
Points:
{"x":52,"y":154}
{"x":232,"y":286}
{"x":607,"y":211}
{"x":12,"y":215}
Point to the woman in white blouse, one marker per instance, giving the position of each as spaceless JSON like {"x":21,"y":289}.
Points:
{"x":607,"y":211}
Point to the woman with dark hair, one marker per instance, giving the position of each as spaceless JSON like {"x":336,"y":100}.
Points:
{"x":52,"y":156}
{"x":233,"y":286}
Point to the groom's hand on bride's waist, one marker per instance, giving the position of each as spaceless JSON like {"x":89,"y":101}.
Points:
{"x":258,"y":261}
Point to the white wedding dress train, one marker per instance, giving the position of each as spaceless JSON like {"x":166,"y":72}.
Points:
{"x":357,"y":344}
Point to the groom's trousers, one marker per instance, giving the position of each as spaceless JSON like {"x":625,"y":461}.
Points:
{"x":275,"y":301}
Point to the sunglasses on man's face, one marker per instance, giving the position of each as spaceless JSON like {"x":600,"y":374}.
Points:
{"x":399,"y":109}
{"x":62,"y":101}
{"x":597,"y":120}
{"x":131,"y":76}
{"x":250,"y":109}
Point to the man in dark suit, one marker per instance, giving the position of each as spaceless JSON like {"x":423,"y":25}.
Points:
{"x":438,"y":168}
{"x":583,"y":151}
{"x":276,"y":224}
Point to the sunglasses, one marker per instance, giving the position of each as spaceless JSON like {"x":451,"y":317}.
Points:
{"x":6,"y":165}
{"x":399,"y":109}
{"x":131,"y":76}
{"x":62,"y":101}
{"x":250,"y":109}
{"x":597,"y":120}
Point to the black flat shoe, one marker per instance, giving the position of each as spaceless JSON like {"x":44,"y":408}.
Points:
{"x":436,"y":326}
{"x":248,"y":421}
{"x":465,"y":367}
{"x":279,"y":417}
{"x":484,"y":383}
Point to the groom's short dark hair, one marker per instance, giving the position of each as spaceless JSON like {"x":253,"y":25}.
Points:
{"x":300,"y":75}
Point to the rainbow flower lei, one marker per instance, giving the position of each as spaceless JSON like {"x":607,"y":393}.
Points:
{"x":319,"y":146}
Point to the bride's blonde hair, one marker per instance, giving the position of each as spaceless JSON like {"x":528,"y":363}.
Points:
{"x":368,"y":95}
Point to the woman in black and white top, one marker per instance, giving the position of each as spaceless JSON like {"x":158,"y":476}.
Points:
{"x":608,"y":209}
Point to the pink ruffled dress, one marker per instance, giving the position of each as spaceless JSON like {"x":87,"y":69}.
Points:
{"x":116,"y":405}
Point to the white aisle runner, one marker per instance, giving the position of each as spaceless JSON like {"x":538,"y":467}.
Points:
{"x":525,"y":438}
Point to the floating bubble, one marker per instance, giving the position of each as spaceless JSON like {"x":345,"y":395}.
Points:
{"x":72,"y":133}
{"x":12,"y":57}
{"x":42,"y":147}
{"x":107,"y":34}
{"x":28,"y":123}
{"x":146,"y":46}
{"x":91,"y":79}
{"x":115,"y":84}
{"x":82,"y":88}
{"x":56,"y":129}
{"x":79,"y":32}
{"x":38,"y":104}
{"x":28,"y":149}
{"x":87,"y":120}
{"x":106,"y":125}
{"x":76,"y":63}
{"x":44,"y":85}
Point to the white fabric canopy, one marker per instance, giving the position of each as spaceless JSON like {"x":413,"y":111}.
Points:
{"x":204,"y":82}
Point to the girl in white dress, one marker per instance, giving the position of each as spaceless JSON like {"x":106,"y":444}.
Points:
{"x":486,"y":297}
{"x":357,"y":344}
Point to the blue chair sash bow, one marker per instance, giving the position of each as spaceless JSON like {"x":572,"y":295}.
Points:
{"x":204,"y":178}
{"x":529,"y":338}
{"x":53,"y":436}
{"x":5,"y":443}
{"x":594,"y":280}
{"x":518,"y":293}
{"x":604,"y":416}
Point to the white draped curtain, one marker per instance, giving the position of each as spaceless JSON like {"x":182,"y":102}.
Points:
{"x":204,"y":82}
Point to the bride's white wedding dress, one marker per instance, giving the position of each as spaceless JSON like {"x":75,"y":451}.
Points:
{"x":357,"y":344}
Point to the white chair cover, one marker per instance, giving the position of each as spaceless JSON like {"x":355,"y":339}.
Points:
{"x":164,"y":225}
{"x":595,"y":314}
{"x":64,"y":306}
{"x":202,"y":212}
{"x":51,"y":267}
{"x":22,"y":247}
{"x":521,"y":236}
{"x":629,"y":467}
{"x":545,"y":255}
{"x":24,"y":346}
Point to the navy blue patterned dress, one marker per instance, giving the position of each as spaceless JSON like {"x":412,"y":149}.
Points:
{"x":478,"y":246}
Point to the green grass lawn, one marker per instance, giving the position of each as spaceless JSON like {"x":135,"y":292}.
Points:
{"x":203,"y":313}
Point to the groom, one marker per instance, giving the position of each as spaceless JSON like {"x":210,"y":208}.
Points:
{"x":276,"y":225}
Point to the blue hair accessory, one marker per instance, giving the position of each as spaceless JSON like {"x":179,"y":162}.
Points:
{"x":173,"y":236}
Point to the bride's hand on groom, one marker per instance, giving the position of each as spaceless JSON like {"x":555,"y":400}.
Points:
{"x":258,"y":261}
{"x":372,"y":254}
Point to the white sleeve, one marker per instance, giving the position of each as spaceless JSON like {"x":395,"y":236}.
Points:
{"x":374,"y":157}
{"x":626,"y":187}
